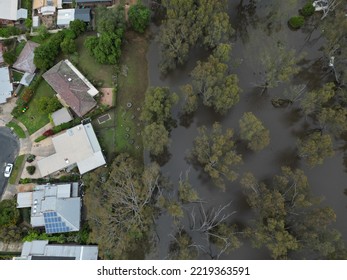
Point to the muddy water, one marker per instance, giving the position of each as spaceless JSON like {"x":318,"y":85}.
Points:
{"x":258,"y":24}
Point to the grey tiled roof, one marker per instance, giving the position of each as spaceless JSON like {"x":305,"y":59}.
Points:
{"x":70,"y":88}
{"x":25,"y":61}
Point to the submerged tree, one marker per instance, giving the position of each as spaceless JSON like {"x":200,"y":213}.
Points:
{"x":155,"y":138}
{"x":333,"y":120}
{"x":157,"y":107}
{"x":289,"y":219}
{"x":212,"y":83}
{"x":189,"y":22}
{"x":315,"y":148}
{"x":215,"y":152}
{"x":253,"y":132}
{"x":313,"y":101}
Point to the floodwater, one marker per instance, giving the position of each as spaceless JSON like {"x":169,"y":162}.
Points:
{"x":258,"y":24}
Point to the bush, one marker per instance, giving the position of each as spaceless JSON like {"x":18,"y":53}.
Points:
{"x":9,"y":31}
{"x":296,"y":22}
{"x":31,"y":169}
{"x":48,"y":132}
{"x":307,"y":10}
{"x":40,"y":138}
{"x":27,"y":95}
{"x":31,"y":158}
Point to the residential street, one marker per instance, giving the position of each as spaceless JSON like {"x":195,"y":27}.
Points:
{"x":9,"y":148}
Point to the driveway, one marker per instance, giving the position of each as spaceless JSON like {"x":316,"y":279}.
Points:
{"x":9,"y":148}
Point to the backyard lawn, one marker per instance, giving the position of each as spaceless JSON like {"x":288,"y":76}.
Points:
{"x":17,"y":129}
{"x":33,"y":119}
{"x":99,"y":74}
{"x":17,"y":76}
{"x":123,"y":132}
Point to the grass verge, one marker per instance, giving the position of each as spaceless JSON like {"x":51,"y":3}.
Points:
{"x":17,"y":129}
{"x":16,"y":168}
{"x":33,"y":119}
{"x":98,"y":74}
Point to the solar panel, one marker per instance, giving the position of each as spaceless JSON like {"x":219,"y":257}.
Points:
{"x":54,"y":224}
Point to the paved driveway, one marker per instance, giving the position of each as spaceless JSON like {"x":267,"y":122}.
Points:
{"x":9,"y":148}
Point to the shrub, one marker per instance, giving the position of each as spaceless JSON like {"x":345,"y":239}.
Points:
{"x":40,"y":138}
{"x":31,"y":169}
{"x":27,"y":95}
{"x":31,"y":158}
{"x":48,"y":132}
{"x":307,"y":10}
{"x":296,"y":22}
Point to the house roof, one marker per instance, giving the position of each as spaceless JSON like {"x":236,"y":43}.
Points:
{"x":83,"y":150}
{"x":53,"y":207}
{"x":41,"y":250}
{"x":61,"y":116}
{"x":41,"y":3}
{"x":6,"y":87}
{"x":73,"y":88}
{"x":82,"y":14}
{"x":25,"y":61}
{"x":27,"y":79}
{"x":65,"y":16}
{"x":8,"y":9}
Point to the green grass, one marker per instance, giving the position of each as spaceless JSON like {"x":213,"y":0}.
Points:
{"x":33,"y":119}
{"x":17,"y":76}
{"x":17,"y":129}
{"x":19,"y":48}
{"x":39,"y":40}
{"x":94,"y":71}
{"x":115,"y":135}
{"x":16,"y":168}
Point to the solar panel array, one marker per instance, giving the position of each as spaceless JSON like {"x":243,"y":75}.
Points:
{"x":54,"y":224}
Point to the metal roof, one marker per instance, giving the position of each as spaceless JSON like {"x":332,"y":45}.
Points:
{"x":61,"y":116}
{"x":83,"y":14}
{"x":52,"y":207}
{"x":27,"y":79}
{"x":65,"y":16}
{"x":6,"y":87}
{"x":40,"y":249}
{"x":8,"y":9}
{"x":83,"y":150}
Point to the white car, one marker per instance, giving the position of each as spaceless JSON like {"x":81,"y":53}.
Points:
{"x":8,"y":170}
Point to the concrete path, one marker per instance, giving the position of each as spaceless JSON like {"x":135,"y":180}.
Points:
{"x":5,"y":111}
{"x":40,"y":132}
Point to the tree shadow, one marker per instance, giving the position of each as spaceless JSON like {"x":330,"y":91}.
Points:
{"x":163,"y":158}
{"x":186,"y":120}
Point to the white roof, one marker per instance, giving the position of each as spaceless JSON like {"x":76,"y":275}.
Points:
{"x":92,"y":90}
{"x":47,"y":10}
{"x":8,"y":9}
{"x":6,"y":87}
{"x":83,"y":149}
{"x":22,"y":14}
{"x":24,"y":199}
{"x":65,"y":16}
{"x":36,"y":21}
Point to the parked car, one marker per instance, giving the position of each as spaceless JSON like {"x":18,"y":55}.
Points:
{"x":8,"y":170}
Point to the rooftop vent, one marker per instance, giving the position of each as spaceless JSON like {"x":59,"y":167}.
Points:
{"x":66,"y":160}
{"x":69,"y":79}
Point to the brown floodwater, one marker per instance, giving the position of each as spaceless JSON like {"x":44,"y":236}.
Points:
{"x":258,"y":25}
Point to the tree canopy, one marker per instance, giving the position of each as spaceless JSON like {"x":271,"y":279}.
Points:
{"x":188,"y":23}
{"x":315,"y":148}
{"x":215,"y":152}
{"x":212,"y":83}
{"x":121,"y":205}
{"x":289,"y":219}
{"x":253,"y":132}
{"x":139,"y":17}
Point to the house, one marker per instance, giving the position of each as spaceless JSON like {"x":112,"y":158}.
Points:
{"x":77,"y":146}
{"x":6,"y":86}
{"x":39,"y":4}
{"x":10,"y":10}
{"x":57,"y":208}
{"x":89,"y":2}
{"x":72,"y":88}
{"x":66,"y":15}
{"x":41,"y":250}
{"x":61,"y":116}
{"x":25,"y":61}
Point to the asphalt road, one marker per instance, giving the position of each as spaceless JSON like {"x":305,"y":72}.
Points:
{"x":9,"y":148}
